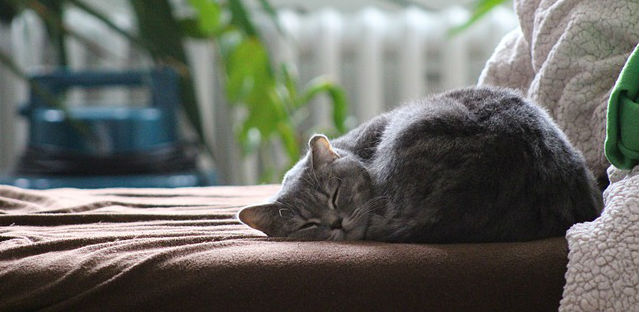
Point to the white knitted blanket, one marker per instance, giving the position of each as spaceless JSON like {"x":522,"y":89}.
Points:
{"x":603,"y":267}
{"x":566,"y":56}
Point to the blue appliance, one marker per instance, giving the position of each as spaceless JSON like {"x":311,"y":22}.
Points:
{"x":96,"y":146}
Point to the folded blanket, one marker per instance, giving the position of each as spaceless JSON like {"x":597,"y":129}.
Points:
{"x":566,"y":56}
{"x":603,"y":268}
{"x":183,"y":250}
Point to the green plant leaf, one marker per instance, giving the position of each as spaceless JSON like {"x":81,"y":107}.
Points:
{"x":336,"y":94}
{"x":480,"y":9}
{"x":247,"y":65}
{"x":287,"y":134}
{"x":208,"y":16}
{"x":241,"y":17}
{"x":287,"y":88}
{"x":265,"y":109}
{"x":191,"y":28}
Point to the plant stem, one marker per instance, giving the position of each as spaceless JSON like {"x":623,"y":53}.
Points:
{"x":104,"y":19}
{"x":56,"y":22}
{"x":164,"y":39}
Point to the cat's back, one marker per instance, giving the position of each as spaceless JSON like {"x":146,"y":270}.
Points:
{"x":485,"y":154}
{"x":502,"y":110}
{"x":471,"y":111}
{"x":483,"y":128}
{"x":478,"y":120}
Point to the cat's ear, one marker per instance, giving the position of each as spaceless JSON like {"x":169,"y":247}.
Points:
{"x":321,"y":151}
{"x":267,"y":218}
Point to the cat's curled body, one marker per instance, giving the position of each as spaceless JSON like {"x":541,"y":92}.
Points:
{"x":470,"y":165}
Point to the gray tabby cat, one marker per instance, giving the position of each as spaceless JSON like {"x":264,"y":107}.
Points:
{"x":471,"y":165}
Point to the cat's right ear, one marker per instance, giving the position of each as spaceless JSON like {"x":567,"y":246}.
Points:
{"x":265,"y":217}
{"x":321,"y":151}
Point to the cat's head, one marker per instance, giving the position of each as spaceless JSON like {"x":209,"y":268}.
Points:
{"x":327,"y":195}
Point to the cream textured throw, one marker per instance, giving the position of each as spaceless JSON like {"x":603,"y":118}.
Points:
{"x":603,"y":267}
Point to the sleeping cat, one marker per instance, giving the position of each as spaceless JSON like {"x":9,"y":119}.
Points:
{"x":470,"y":165}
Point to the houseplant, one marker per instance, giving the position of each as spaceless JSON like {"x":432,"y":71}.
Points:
{"x":269,"y":94}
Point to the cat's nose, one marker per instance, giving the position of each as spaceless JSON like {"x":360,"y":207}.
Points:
{"x":337,"y":223}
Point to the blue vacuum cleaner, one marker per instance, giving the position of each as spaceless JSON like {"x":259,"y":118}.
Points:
{"x":101,"y":146}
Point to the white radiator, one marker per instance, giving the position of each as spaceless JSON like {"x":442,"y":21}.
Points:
{"x":381,"y":58}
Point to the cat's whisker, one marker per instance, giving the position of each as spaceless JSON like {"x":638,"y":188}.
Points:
{"x":309,"y":181}
{"x":314,"y":175}
{"x":371,"y":205}
{"x":287,"y":206}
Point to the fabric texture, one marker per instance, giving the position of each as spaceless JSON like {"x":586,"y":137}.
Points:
{"x":603,"y":268}
{"x":622,"y":131}
{"x":183,"y":250}
{"x":566,"y":56}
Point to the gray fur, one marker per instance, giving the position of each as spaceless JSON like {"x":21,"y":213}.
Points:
{"x":470,"y":165}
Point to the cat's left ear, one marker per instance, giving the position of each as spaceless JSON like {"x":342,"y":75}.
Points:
{"x":265,"y":217}
{"x":321,"y":150}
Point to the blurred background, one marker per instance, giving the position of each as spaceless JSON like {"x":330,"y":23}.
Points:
{"x":159,"y":93}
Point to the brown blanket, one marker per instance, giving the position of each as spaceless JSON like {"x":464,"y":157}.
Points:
{"x":182,"y":250}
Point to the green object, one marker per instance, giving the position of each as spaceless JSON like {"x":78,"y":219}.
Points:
{"x":622,"y":137}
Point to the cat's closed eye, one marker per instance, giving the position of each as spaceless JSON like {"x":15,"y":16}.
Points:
{"x":308,"y":225}
{"x":333,"y":204}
